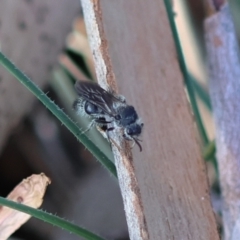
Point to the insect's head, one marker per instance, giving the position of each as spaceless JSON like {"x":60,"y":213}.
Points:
{"x":134,"y":129}
{"x":132,"y":132}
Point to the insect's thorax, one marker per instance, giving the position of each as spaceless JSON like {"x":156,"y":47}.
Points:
{"x":126,"y":116}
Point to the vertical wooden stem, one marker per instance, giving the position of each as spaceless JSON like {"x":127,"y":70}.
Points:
{"x":164,"y":188}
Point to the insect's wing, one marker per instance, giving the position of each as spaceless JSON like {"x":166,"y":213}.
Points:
{"x":93,"y":93}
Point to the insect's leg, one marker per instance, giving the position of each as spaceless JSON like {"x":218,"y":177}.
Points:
{"x":135,"y":141}
{"x":110,"y":129}
{"x":92,"y":123}
{"x":107,"y":133}
{"x":103,"y":126}
{"x":102,"y":121}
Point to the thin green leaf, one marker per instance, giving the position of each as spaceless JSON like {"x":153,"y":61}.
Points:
{"x":201,"y":92}
{"x":209,"y":154}
{"x":209,"y":151}
{"x":49,"y":218}
{"x":187,"y":79}
{"x":103,"y":159}
{"x":186,"y":76}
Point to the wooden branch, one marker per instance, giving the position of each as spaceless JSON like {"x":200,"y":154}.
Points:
{"x":164,"y":188}
{"x":32,"y":33}
{"x":224,"y":62}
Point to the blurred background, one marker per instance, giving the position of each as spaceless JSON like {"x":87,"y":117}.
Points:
{"x":82,"y":191}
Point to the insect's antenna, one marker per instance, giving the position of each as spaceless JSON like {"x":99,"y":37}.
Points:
{"x":137,"y":142}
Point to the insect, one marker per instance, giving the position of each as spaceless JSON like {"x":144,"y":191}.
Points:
{"x":105,"y":107}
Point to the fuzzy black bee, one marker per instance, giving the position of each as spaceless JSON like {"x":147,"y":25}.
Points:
{"x":105,"y":107}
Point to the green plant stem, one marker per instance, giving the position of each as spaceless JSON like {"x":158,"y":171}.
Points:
{"x":201,"y":92}
{"x":49,"y":218}
{"x":187,"y":79}
{"x":106,"y":162}
{"x":209,"y":151}
{"x":188,"y":82}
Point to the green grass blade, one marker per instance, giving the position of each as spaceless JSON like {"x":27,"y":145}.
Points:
{"x":209,"y":151}
{"x":103,"y":159}
{"x":49,"y":218}
{"x":209,"y":155}
{"x":201,"y":92}
{"x":186,"y":76}
{"x":188,"y":81}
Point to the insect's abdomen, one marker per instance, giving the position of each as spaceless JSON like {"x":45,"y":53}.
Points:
{"x":92,"y":109}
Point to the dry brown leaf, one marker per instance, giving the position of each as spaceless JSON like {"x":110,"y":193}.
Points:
{"x":29,"y":192}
